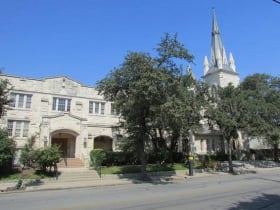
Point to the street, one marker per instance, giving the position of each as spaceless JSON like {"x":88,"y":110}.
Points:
{"x":249,"y":191}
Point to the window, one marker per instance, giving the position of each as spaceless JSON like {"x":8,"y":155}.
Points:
{"x":97,"y":108}
{"x":61,"y":104}
{"x":18,"y":128}
{"x":19,"y":100}
{"x":28,"y":102}
{"x":114,"y":111}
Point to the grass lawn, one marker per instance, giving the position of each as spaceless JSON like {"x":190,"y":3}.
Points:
{"x":24,"y":174}
{"x":137,"y":168}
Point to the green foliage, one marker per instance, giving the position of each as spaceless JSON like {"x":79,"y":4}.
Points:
{"x":49,"y":157}
{"x":262,"y":94}
{"x":153,"y":96}
{"x":97,"y":156}
{"x":137,"y":168}
{"x":7,"y":151}
{"x":120,"y":158}
{"x":29,"y":155}
{"x":228,"y":113}
{"x":4,"y":95}
{"x":43,"y":158}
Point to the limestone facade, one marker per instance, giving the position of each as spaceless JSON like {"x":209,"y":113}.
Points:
{"x":61,"y":111}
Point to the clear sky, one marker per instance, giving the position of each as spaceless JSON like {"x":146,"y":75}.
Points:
{"x":86,"y":39}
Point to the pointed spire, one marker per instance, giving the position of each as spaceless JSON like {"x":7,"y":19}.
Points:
{"x":189,"y":71}
{"x":206,"y":65}
{"x":232,"y":62}
{"x":218,"y":54}
{"x":220,"y":70}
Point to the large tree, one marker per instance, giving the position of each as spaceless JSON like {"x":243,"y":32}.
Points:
{"x":227,"y":115}
{"x":7,"y":145}
{"x":7,"y":152}
{"x":4,"y":95}
{"x":262,"y":92}
{"x":153,"y":96}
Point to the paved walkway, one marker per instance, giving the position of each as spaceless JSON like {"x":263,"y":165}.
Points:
{"x":110,"y":180}
{"x":105,"y":180}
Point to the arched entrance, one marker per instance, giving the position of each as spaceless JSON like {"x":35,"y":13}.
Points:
{"x":66,"y":140}
{"x":103,"y":142}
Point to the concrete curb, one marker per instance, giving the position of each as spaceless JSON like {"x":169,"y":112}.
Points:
{"x":123,"y":179}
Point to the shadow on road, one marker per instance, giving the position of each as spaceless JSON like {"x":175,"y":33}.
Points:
{"x":265,"y":201}
{"x":156,"y":178}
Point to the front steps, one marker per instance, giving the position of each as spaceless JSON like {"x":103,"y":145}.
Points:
{"x":77,"y":175}
{"x":70,"y":163}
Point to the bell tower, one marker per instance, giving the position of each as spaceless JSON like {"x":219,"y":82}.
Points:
{"x":220,"y":70}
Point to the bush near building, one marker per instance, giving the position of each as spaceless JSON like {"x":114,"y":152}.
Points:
{"x":44,"y":158}
{"x":7,"y":152}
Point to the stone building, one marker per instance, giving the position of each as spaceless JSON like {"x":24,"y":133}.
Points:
{"x":60,"y":111}
{"x":219,"y":71}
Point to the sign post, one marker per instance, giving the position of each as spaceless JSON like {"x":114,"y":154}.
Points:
{"x":190,"y":165}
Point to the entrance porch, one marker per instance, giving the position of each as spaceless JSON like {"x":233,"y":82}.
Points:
{"x":66,"y":140}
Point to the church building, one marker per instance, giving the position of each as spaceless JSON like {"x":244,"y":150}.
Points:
{"x":219,"y":71}
{"x":59,"y":110}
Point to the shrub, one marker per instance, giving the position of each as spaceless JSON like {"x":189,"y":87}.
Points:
{"x":49,"y":157}
{"x":162,"y":156}
{"x":221,"y":156}
{"x":97,"y":156}
{"x":115,"y":158}
{"x":7,"y":151}
{"x":29,"y":155}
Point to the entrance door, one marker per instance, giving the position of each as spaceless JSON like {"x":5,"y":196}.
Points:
{"x":62,"y":143}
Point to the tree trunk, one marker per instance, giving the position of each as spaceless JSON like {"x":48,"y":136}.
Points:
{"x":230,"y":166}
{"x":142,"y":155}
{"x":275,"y":152}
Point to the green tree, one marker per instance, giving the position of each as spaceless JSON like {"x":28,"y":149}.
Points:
{"x":4,"y":95}
{"x":49,"y":157}
{"x":7,"y":146}
{"x":228,"y":113}
{"x":7,"y":151}
{"x":44,"y":158}
{"x":262,"y":94}
{"x":140,"y":89}
{"x":29,"y":154}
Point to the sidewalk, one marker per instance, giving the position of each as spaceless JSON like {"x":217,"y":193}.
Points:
{"x":111,"y":180}
{"x":104,"y":180}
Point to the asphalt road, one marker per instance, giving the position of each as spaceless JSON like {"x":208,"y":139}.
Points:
{"x":250,"y":191}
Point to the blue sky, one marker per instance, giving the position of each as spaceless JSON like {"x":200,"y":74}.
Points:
{"x":86,"y":39}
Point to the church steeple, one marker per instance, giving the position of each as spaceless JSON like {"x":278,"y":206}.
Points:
{"x":218,"y":53}
{"x":219,"y":71}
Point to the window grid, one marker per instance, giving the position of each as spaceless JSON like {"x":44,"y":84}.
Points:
{"x":113,"y":109}
{"x":25,"y":129}
{"x":61,"y":104}
{"x":97,"y":108}
{"x":18,"y":128}
{"x":10,"y":128}
{"x":102,"y":108}
{"x":28,"y":102}
{"x":13,"y":100}
{"x":19,"y":100}
{"x":90,"y":107}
